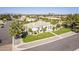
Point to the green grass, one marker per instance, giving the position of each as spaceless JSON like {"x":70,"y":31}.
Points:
{"x":30,"y":38}
{"x":62,"y":30}
{"x":54,"y":21}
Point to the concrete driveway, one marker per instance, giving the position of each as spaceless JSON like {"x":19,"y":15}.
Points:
{"x":5,"y":37}
{"x":67,"y":44}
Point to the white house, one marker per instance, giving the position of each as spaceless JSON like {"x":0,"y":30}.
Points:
{"x":38,"y":26}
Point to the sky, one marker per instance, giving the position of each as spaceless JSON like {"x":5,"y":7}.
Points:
{"x":39,"y":10}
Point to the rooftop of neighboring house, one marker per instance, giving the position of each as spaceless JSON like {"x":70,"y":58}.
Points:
{"x":22,"y":18}
{"x":51,"y":17}
{"x":35,"y":18}
{"x":37,"y":24}
{"x":31,"y":19}
{"x":27,"y":18}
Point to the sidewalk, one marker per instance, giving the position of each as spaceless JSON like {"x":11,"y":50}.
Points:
{"x":77,"y":49}
{"x":28,"y":45}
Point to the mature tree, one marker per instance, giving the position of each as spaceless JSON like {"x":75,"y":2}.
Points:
{"x":54,"y":28}
{"x":63,"y":18}
{"x":75,"y":24}
{"x":72,"y":21}
{"x":16,"y":28}
{"x":5,"y":17}
{"x":69,"y":19}
{"x":76,"y":28}
{"x":58,"y":25}
{"x":16,"y":16}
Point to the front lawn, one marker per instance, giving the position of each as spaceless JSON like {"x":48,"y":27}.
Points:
{"x":30,"y":38}
{"x":62,"y":30}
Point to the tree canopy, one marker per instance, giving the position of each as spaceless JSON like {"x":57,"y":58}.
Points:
{"x":16,"y":28}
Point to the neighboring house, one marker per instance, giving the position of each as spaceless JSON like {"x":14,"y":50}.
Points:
{"x":22,"y":18}
{"x":28,"y":19}
{"x":38,"y":27}
{"x":51,"y":17}
{"x":31,"y":19}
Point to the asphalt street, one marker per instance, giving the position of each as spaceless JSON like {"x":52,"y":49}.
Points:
{"x":5,"y":37}
{"x":67,"y":44}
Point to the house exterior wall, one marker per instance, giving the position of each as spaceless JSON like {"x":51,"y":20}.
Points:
{"x":40,"y":29}
{"x":34,"y":29}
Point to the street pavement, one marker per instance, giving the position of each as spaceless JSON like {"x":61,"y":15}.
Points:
{"x":5,"y":38}
{"x":66,"y":44}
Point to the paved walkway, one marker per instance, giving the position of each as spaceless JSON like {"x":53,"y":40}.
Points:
{"x":29,"y":45}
